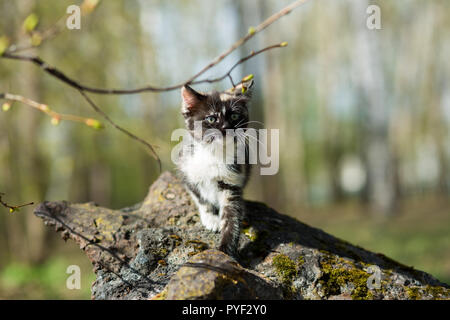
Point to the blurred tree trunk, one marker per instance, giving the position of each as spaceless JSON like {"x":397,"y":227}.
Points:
{"x":441,"y":127}
{"x":249,"y":13}
{"x":441,"y":135}
{"x":27,"y":165}
{"x":265,"y":105}
{"x":381,"y":180}
{"x":34,"y":177}
{"x":328,"y":66}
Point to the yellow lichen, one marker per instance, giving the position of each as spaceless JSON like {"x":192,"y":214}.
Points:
{"x":162,"y":262}
{"x":174,"y":236}
{"x":160,"y":296}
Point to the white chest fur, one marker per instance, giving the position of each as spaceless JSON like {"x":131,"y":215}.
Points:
{"x":204,"y":167}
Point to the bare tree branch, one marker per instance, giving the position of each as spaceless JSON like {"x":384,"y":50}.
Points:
{"x":56,"y":117}
{"x":242,"y":60}
{"x":128,"y":133}
{"x":252,"y":32}
{"x":11,"y":207}
{"x":83,"y":89}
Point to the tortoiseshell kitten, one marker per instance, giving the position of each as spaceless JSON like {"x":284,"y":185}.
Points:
{"x":216,"y":185}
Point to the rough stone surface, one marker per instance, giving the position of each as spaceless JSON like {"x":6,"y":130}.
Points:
{"x":212,"y":274}
{"x":158,"y":249}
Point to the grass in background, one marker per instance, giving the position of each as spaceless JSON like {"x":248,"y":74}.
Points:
{"x":47,"y":280}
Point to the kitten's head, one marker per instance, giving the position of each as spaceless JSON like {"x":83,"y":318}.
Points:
{"x":217,"y":110}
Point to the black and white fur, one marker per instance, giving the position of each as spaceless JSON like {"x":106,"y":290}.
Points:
{"x":215,"y":186}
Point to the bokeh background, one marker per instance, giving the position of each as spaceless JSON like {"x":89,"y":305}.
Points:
{"x":364,"y":119}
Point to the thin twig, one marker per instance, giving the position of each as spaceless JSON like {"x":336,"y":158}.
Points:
{"x":240,"y":61}
{"x":128,"y":133}
{"x":251,"y":34}
{"x":45,"y":35}
{"x":11,"y":207}
{"x":56,"y":117}
{"x":88,"y":121}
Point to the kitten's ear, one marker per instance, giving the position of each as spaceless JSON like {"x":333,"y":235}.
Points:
{"x":244,"y":88}
{"x":191,"y":99}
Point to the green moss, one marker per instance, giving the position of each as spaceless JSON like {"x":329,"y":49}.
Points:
{"x":325,"y":252}
{"x":436,"y":292}
{"x":250,"y":233}
{"x":413,"y":293}
{"x":285,"y":268}
{"x":258,"y":246}
{"x":334,"y":278}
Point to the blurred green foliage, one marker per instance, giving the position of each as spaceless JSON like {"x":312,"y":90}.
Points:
{"x":19,"y":280}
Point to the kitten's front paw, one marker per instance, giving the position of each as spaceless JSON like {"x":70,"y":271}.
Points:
{"x":210,"y":221}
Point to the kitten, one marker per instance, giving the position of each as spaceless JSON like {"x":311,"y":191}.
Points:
{"x":217,"y":185}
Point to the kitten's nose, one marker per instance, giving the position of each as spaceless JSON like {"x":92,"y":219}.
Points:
{"x":226,"y":125}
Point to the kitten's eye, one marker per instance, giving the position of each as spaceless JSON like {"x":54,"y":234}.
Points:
{"x":210,"y":119}
{"x":234,"y":116}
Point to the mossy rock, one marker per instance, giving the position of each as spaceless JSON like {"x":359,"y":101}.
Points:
{"x":159,"y":248}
